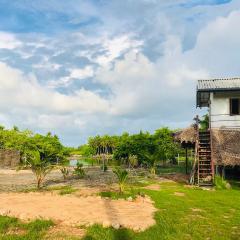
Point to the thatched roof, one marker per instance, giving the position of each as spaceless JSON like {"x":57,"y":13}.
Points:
{"x":186,"y":135}
{"x":226,"y":146}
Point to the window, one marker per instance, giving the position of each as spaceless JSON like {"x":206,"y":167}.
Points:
{"x":235,"y":106}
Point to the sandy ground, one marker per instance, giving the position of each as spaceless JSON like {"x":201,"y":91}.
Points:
{"x":15,"y":181}
{"x":76,"y":211}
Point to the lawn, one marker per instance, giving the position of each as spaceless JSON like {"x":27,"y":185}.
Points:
{"x":183,"y":213}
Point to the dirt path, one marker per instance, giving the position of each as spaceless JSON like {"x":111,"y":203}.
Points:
{"x":72,"y":210}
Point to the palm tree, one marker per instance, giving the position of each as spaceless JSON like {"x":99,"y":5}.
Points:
{"x":40,"y":168}
{"x":122,"y":176}
{"x":151,"y":162}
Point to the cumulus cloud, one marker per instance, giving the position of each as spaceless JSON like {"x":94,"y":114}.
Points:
{"x":81,"y":84}
{"x":24,"y":91}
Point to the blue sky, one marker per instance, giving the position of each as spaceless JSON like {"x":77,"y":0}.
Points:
{"x":80,"y":68}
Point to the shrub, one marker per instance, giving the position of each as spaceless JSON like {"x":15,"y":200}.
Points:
{"x":220,"y":183}
{"x":65,"y":172}
{"x":79,"y":171}
{"x":40,"y":167}
{"x":133,"y":161}
{"x":122,"y":176}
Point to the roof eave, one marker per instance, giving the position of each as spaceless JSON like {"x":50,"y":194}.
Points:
{"x":219,"y":90}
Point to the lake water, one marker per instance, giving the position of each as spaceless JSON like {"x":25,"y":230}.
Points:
{"x":73,"y":162}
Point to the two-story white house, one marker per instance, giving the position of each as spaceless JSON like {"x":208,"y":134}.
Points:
{"x":222,"y":97}
{"x":220,"y":145}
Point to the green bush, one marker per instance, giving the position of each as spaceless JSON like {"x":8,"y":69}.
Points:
{"x":220,"y":183}
{"x":122,"y":176}
{"x":79,"y":171}
{"x":65,"y":172}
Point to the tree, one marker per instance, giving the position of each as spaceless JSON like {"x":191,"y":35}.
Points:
{"x":39,"y":167}
{"x":65,"y":172}
{"x":122,"y":176}
{"x":79,"y":171}
{"x":151,"y":161}
{"x":165,"y":147}
{"x":204,"y":122}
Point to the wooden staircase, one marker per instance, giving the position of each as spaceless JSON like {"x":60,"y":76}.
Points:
{"x":202,"y":172}
{"x":205,"y":172}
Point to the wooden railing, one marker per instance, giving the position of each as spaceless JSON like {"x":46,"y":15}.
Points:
{"x":195,"y":163}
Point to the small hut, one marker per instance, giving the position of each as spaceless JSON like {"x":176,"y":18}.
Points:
{"x":9,"y":158}
{"x":187,"y":138}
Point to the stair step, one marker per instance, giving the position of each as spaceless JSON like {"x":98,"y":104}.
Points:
{"x":205,"y":184}
{"x":204,"y":175}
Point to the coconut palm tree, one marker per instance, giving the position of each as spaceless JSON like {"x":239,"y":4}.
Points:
{"x":122,"y":176}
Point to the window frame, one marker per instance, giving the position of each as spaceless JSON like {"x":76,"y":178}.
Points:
{"x":234,"y":98}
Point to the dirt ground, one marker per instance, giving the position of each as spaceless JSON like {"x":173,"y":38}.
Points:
{"x":83,"y":207}
{"x":15,"y":181}
{"x":72,"y":210}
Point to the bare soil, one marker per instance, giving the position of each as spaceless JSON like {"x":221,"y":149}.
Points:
{"x":82,"y":207}
{"x":15,"y":181}
{"x":77,"y":211}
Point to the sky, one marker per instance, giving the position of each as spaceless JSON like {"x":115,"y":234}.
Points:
{"x":79,"y":68}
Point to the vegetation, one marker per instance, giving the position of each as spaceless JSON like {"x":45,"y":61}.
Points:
{"x":65,"y":172}
{"x":124,"y":147}
{"x":122,"y":176}
{"x":79,"y":171}
{"x":220,"y":183}
{"x":67,"y":190}
{"x":204,"y":122}
{"x":40,"y":167}
{"x":48,"y":146}
{"x":13,"y":229}
{"x":195,"y":214}
{"x":151,"y":161}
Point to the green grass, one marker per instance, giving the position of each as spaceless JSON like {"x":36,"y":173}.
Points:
{"x":62,"y":190}
{"x":129,"y":192}
{"x":199,"y":214}
{"x":13,"y":229}
{"x":67,"y":190}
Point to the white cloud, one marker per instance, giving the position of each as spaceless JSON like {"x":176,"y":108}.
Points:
{"x":115,"y":48}
{"x":142,"y":87}
{"x":217,"y":47}
{"x":137,"y":91}
{"x":9,"y":41}
{"x":23,"y":91}
{"x":75,"y":75}
{"x":79,"y":73}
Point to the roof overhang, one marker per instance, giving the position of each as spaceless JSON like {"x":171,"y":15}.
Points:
{"x":203,"y":95}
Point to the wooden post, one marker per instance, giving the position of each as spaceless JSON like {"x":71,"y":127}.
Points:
{"x":223,"y":172}
{"x":186,"y":160}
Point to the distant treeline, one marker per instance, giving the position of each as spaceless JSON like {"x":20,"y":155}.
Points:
{"x":160,"y":145}
{"x":27,"y":143}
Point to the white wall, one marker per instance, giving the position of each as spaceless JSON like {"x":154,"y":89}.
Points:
{"x":220,"y":111}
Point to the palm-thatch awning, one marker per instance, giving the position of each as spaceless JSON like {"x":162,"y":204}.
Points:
{"x":226,"y":146}
{"x":186,"y":136}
